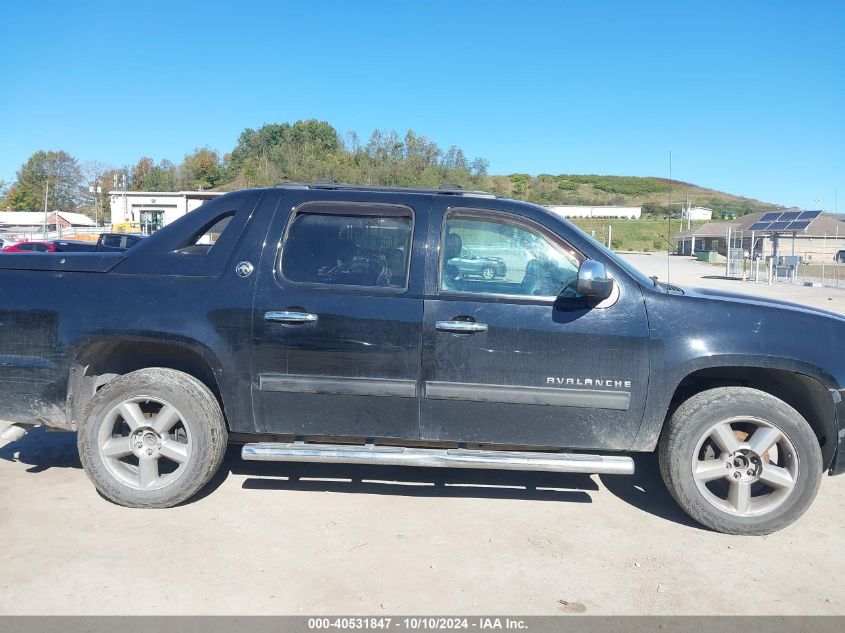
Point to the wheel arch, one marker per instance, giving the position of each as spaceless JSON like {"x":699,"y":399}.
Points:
{"x":803,"y":386}
{"x":95,"y":363}
{"x":804,"y":392}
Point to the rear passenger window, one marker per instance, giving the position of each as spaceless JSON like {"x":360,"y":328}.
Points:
{"x":112,"y":241}
{"x":349,"y":245}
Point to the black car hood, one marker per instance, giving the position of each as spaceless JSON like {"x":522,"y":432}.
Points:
{"x":736,"y":297}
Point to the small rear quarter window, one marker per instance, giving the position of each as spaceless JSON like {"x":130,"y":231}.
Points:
{"x":203,"y":241}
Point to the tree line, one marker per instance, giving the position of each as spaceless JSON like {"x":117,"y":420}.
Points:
{"x":306,"y":151}
{"x":302,"y":151}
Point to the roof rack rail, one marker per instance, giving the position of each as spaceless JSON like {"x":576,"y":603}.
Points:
{"x":447,"y":189}
{"x":292,"y":184}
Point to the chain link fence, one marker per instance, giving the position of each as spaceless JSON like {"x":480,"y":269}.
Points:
{"x":819,"y":261}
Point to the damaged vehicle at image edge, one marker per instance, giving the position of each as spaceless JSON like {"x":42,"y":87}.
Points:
{"x":331,"y":323}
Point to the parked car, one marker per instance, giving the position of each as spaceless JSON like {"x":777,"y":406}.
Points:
{"x":117,"y":241}
{"x":315,"y":323}
{"x":468,"y":264}
{"x":839,"y":258}
{"x":74,"y":246}
{"x":105,"y":242}
{"x":31,"y":247}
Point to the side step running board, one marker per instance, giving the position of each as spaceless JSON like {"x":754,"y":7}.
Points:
{"x":438,"y":458}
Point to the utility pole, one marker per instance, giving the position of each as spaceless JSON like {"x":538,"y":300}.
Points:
{"x":669,"y":225}
{"x":96,"y":190}
{"x":46,"y":193}
{"x":824,"y":240}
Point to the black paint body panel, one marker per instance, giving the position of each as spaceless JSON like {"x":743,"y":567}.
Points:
{"x":373,"y":365}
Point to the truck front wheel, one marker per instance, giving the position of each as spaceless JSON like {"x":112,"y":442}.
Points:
{"x":152,"y":438}
{"x":740,"y":461}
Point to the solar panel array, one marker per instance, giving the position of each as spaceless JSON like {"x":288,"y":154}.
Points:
{"x":785,"y":221}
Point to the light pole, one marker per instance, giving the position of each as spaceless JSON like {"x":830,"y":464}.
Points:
{"x":120,"y":183}
{"x":824,"y":241}
{"x":97,"y":190}
{"x":46,"y":193}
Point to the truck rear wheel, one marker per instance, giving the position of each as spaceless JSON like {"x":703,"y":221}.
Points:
{"x":740,"y":461}
{"x":152,"y":438}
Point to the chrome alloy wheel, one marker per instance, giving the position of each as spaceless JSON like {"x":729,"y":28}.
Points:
{"x":145,"y":443}
{"x":745,"y":466}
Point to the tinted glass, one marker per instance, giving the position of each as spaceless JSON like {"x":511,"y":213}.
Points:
{"x":202,"y":243}
{"x":348,"y":250}
{"x":112,"y":241}
{"x":490,"y":257}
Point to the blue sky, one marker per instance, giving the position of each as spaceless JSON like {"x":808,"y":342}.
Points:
{"x":749,"y":96}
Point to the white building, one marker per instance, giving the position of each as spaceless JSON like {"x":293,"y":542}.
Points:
{"x":569,"y":211}
{"x":696,"y":213}
{"x":155,"y":209}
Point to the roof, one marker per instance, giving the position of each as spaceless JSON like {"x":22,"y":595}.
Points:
{"x":36,"y":218}
{"x":823,"y":225}
{"x":76,"y":219}
{"x":711,"y":229}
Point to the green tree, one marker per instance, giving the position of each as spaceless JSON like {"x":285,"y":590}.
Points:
{"x":60,"y":170}
{"x":313,"y":136}
{"x":305,"y":150}
{"x":202,"y":169}
{"x":139,"y":172}
{"x":520,"y":184}
{"x":145,"y":175}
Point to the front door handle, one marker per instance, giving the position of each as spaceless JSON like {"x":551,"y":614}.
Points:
{"x":460,"y":327}
{"x":290,"y":317}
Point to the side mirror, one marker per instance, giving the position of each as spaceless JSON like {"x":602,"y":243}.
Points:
{"x":593,"y":281}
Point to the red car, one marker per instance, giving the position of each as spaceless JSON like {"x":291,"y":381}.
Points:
{"x":31,"y":247}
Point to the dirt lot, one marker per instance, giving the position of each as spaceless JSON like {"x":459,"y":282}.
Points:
{"x":301,"y":539}
{"x":685,"y":271}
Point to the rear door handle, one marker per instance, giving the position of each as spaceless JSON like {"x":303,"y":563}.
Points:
{"x":460,"y":327}
{"x":290,"y":317}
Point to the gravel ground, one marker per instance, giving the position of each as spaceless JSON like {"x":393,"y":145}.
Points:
{"x":303,"y":539}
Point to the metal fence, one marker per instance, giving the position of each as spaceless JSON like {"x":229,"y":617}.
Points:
{"x":74,"y":233}
{"x":818,"y":265}
{"x":828,"y":274}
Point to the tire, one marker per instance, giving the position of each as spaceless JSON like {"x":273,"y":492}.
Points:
{"x":760,"y":490}
{"x":488,"y":273}
{"x":164,"y":418}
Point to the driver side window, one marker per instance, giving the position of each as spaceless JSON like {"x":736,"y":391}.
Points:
{"x":509,"y":258}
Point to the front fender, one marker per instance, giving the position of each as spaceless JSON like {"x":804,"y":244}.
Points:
{"x":662,"y":392}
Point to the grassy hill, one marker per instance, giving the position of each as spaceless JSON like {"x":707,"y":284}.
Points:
{"x":649,"y":234}
{"x":657,"y":196}
{"x":660,"y":199}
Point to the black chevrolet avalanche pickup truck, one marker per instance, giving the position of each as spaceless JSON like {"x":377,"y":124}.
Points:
{"x":330,"y":323}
